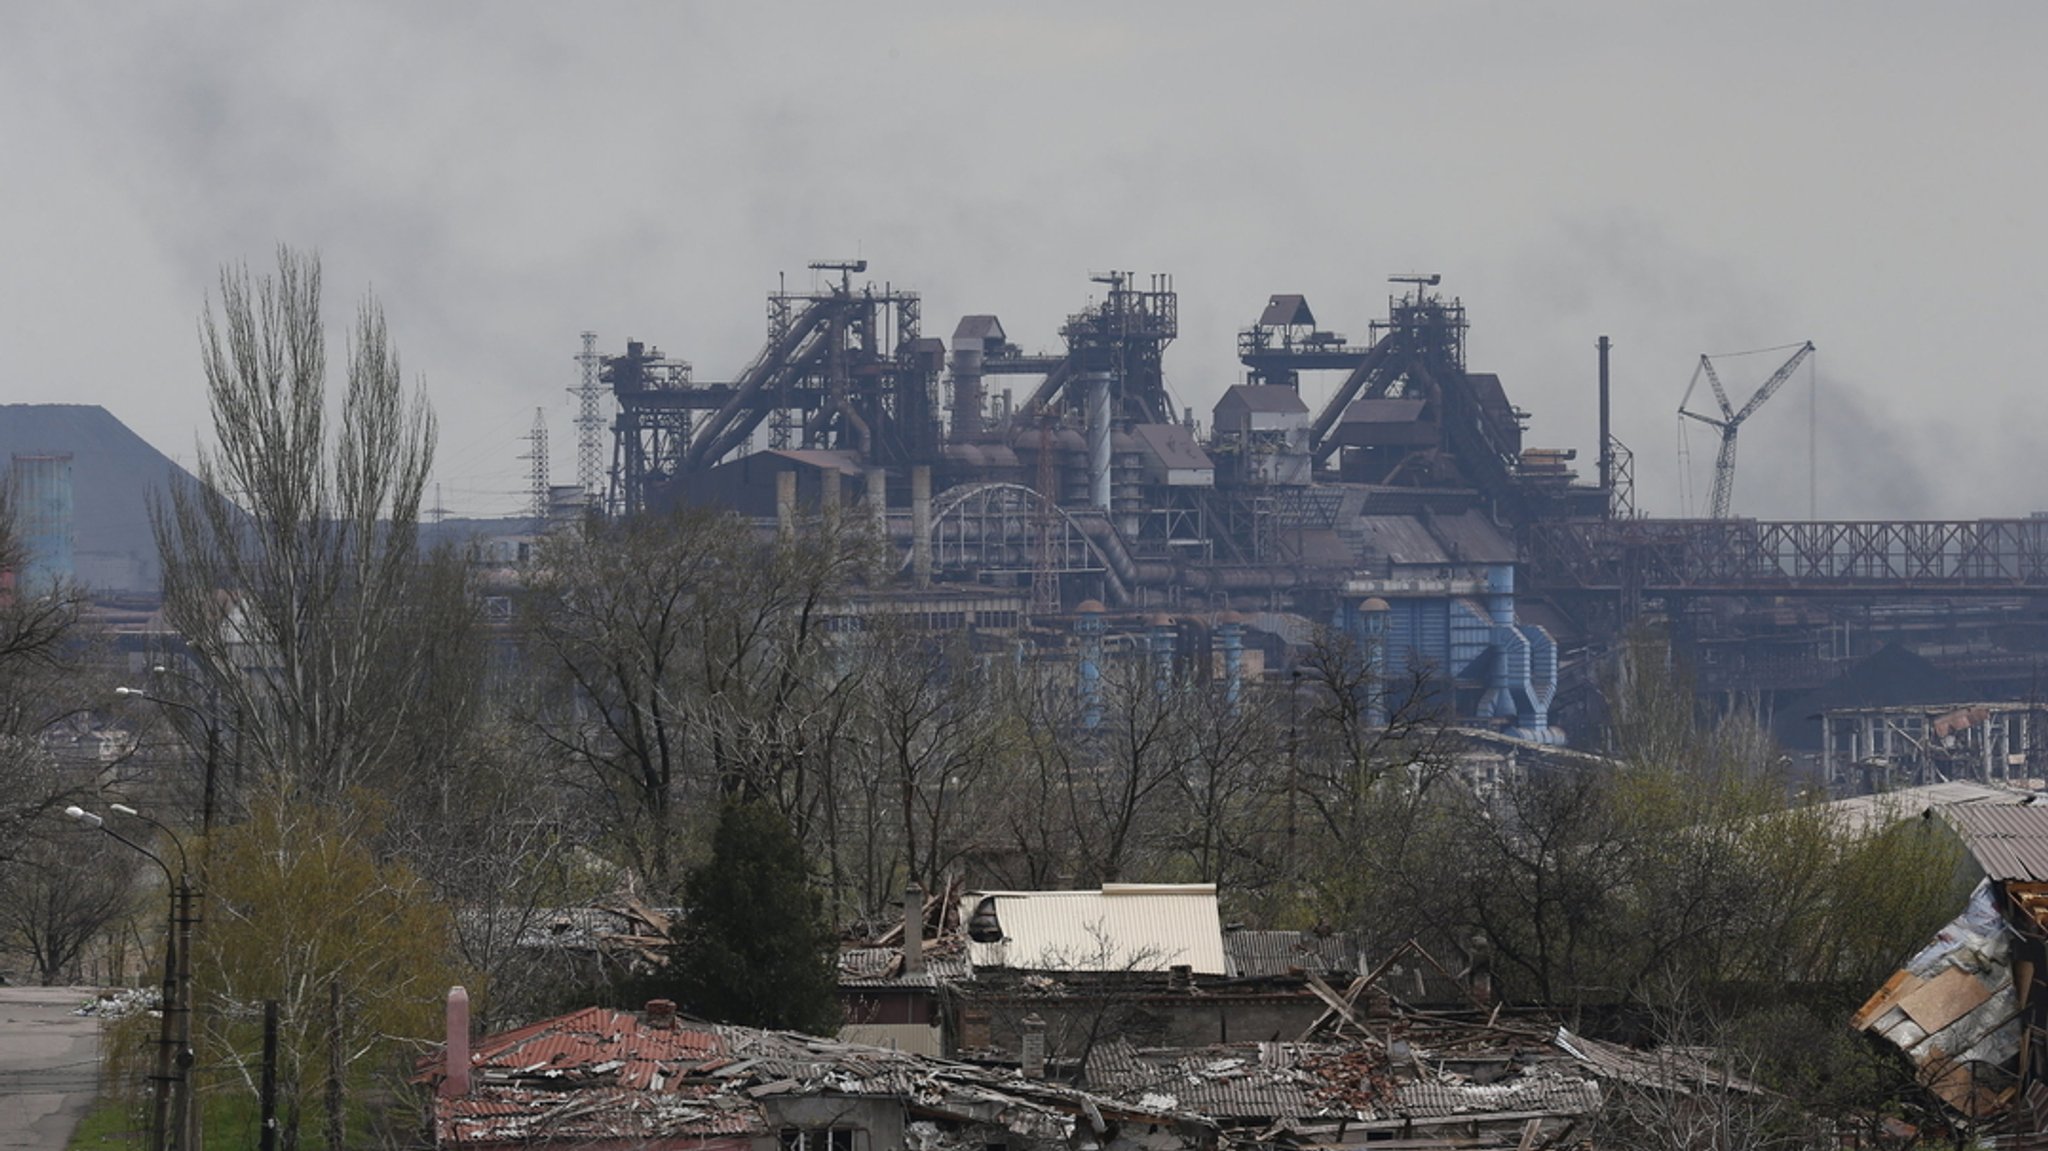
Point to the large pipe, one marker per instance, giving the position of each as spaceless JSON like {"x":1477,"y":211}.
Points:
{"x":1606,"y":440}
{"x":1230,"y":633}
{"x":1098,"y":439}
{"x":921,"y":524}
{"x":1163,"y":640}
{"x":1333,"y":412}
{"x":1089,"y":626}
{"x":862,"y":440}
{"x":1374,"y":613}
{"x":724,"y":429}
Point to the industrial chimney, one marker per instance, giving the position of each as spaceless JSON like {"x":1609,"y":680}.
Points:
{"x":455,"y":1083}
{"x":913,"y":928}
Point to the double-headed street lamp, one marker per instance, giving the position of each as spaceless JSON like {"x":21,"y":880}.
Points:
{"x":208,"y":722}
{"x":174,"y":1047}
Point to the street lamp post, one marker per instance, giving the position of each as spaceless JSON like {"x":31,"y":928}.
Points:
{"x":190,"y":898}
{"x":208,"y":722}
{"x":174,"y":1046}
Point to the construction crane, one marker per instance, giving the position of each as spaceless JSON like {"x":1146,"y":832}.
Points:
{"x":1730,"y":420}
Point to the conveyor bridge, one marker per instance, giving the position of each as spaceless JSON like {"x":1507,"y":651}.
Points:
{"x":1794,"y":557}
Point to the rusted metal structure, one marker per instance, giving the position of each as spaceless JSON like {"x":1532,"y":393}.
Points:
{"x":1073,"y":474}
{"x":841,"y":369}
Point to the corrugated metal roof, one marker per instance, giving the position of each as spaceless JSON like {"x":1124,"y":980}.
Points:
{"x":882,"y":967}
{"x":1866,"y":814}
{"x":1547,"y":1092}
{"x":1470,"y":538}
{"x":1123,"y":927}
{"x":1355,"y":1082}
{"x":1256,"y":954}
{"x":1402,"y":539}
{"x":2009,"y":843}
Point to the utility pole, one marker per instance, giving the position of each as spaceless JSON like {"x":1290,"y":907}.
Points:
{"x":267,"y":1139}
{"x":173,"y":1073}
{"x":186,"y":1114}
{"x":334,"y":1097}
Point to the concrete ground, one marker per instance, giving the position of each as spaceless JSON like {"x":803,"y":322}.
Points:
{"x":49,"y":1065}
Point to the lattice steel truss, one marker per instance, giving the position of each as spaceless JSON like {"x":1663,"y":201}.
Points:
{"x":1790,"y":557}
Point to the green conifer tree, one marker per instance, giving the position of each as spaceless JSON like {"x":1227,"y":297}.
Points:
{"x":753,"y":947}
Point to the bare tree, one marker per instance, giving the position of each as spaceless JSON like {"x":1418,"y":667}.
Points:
{"x":774,"y":703}
{"x":684,"y":658}
{"x":292,"y":568}
{"x":495,"y":838}
{"x":1231,"y":807}
{"x":47,"y":677}
{"x":611,"y":622}
{"x":63,"y":887}
{"x":925,"y":703}
{"x":1121,"y":776}
{"x":1030,"y":840}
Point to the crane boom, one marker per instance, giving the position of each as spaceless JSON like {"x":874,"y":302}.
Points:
{"x":1776,"y":381}
{"x":1731,"y":421}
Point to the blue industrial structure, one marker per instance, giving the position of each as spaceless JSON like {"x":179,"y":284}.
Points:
{"x":1456,"y":628}
{"x":41,"y":490}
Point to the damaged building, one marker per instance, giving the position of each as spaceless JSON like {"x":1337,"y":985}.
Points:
{"x":606,"y":1079}
{"x":1970,"y":1009}
{"x":1010,"y":976}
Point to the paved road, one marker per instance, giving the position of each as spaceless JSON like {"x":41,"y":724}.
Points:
{"x":49,"y":1069}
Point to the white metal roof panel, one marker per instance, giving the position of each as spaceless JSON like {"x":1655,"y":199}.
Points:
{"x":1123,"y":927}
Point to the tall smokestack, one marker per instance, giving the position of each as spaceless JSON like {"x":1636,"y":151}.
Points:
{"x":455,"y":1083}
{"x":1606,"y":436}
{"x":913,"y":929}
{"x":1098,"y":439}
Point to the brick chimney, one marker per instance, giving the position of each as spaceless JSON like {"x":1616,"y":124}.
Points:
{"x":660,"y":1014}
{"x":913,"y":928}
{"x":1480,"y":977}
{"x":1031,"y":1046}
{"x":455,"y":1081}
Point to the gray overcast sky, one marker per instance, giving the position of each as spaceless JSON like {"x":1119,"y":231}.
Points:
{"x":1710,"y":177}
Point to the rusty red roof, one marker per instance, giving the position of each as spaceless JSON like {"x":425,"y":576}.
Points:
{"x":597,"y":1043}
{"x":607,"y":1078}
